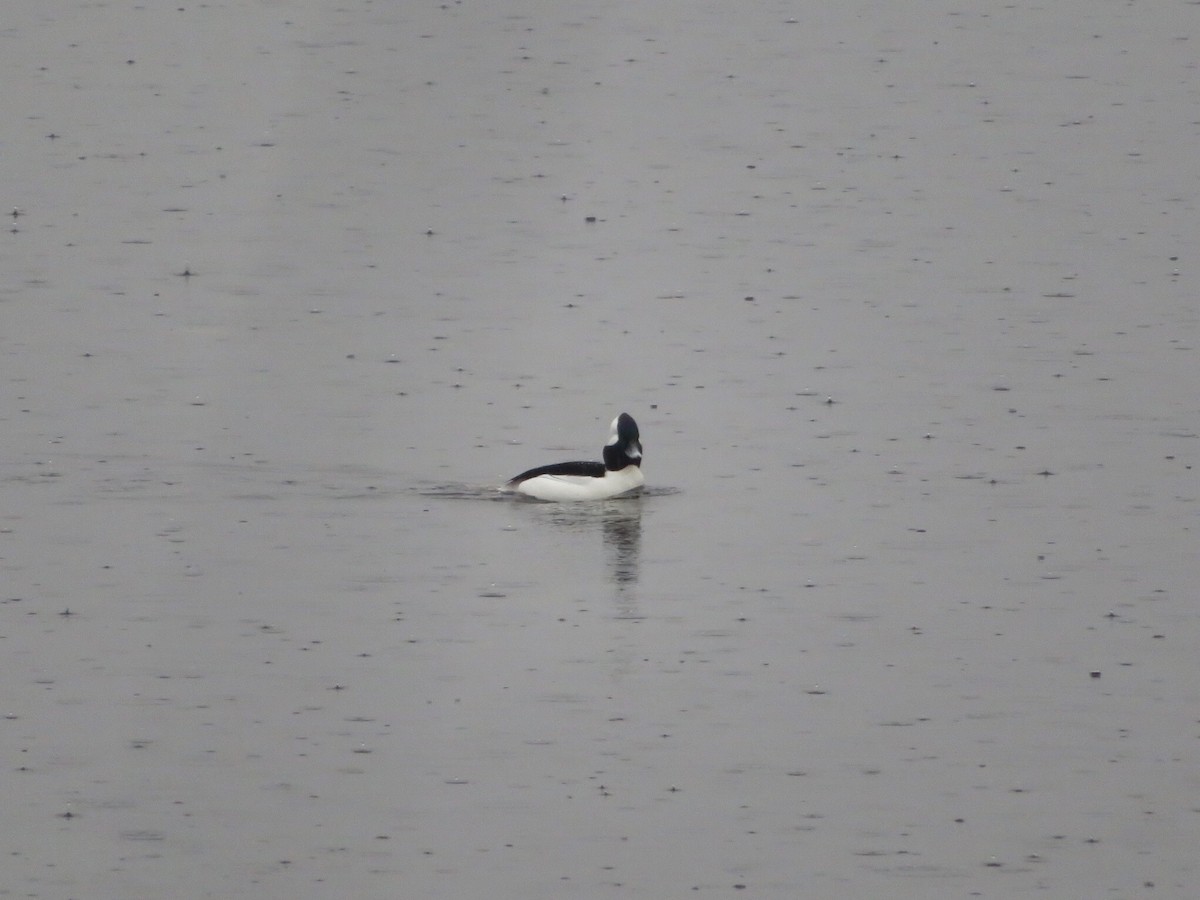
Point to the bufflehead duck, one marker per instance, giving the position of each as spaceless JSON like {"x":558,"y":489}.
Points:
{"x":620,"y":473}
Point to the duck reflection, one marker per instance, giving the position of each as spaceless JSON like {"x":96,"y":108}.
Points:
{"x":623,"y":541}
{"x":620,"y":523}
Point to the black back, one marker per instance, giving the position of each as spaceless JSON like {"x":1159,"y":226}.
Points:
{"x":585,"y":468}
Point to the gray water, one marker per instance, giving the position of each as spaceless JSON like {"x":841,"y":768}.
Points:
{"x":901,"y":299}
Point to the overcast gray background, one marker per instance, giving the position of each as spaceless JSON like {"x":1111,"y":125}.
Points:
{"x":903,"y":298}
